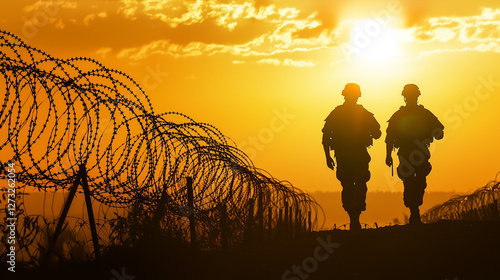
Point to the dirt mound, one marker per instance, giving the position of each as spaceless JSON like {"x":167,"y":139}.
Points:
{"x":442,"y":250}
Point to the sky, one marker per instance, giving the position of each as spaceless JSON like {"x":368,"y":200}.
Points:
{"x":268,"y":72}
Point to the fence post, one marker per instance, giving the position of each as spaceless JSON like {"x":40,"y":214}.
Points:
{"x":304,"y":224}
{"x":192,"y":222}
{"x":90,"y":212}
{"x":81,"y":178}
{"x":309,"y":222}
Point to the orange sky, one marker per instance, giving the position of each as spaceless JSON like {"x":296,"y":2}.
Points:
{"x":267,"y":73}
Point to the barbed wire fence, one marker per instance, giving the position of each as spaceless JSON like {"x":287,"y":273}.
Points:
{"x":145,"y":171}
{"x":481,"y":205}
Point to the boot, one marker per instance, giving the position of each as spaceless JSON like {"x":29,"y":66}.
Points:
{"x":355,"y":224}
{"x":415,"y":216}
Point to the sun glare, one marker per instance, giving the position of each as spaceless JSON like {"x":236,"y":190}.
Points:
{"x":373,"y":41}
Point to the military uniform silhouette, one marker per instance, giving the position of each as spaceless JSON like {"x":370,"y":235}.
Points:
{"x":412,"y":129}
{"x":349,"y":130}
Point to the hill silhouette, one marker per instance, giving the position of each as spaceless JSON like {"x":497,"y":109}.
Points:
{"x":441,"y":250}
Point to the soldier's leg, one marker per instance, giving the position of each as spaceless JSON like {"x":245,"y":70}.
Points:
{"x":344,"y":175}
{"x":406,"y":172}
{"x":361,"y":177}
{"x":410,"y":192}
{"x":421,"y":173}
{"x":347,"y":194}
{"x":416,"y":195}
{"x":412,"y":198}
{"x":350,"y":203}
{"x":358,"y":204}
{"x":359,"y":196}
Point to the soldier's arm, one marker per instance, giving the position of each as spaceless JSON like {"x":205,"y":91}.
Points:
{"x":438,"y":131}
{"x":374,"y":127}
{"x":376,"y":132}
{"x":389,"y":140}
{"x":326,"y":147}
{"x":388,"y":157}
{"x":439,"y":134}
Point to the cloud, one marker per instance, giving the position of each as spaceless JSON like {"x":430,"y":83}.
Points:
{"x":299,"y":63}
{"x":137,"y":29}
{"x":174,"y":13}
{"x":479,"y":32}
{"x":50,"y":6}
{"x":44,"y":13}
{"x":286,"y":62}
{"x":418,"y":12}
{"x":490,"y":47}
{"x":165,"y":47}
{"x":272,"y":61}
{"x":91,"y":17}
{"x":240,"y":28}
{"x":103,"y":52}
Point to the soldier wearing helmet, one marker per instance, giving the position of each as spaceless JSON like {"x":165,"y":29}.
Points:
{"x":411,"y":130}
{"x":348,"y":131}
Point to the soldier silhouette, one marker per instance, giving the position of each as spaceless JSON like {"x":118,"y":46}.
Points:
{"x":348,"y":131}
{"x":411,"y":130}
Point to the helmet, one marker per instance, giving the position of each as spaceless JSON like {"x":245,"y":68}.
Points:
{"x":410,"y":90}
{"x":351,"y":89}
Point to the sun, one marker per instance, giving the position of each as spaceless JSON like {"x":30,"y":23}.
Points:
{"x":372,"y":41}
{"x":371,"y":51}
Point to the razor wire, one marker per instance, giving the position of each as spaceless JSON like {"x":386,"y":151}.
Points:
{"x":481,"y":205}
{"x":59,"y":114}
